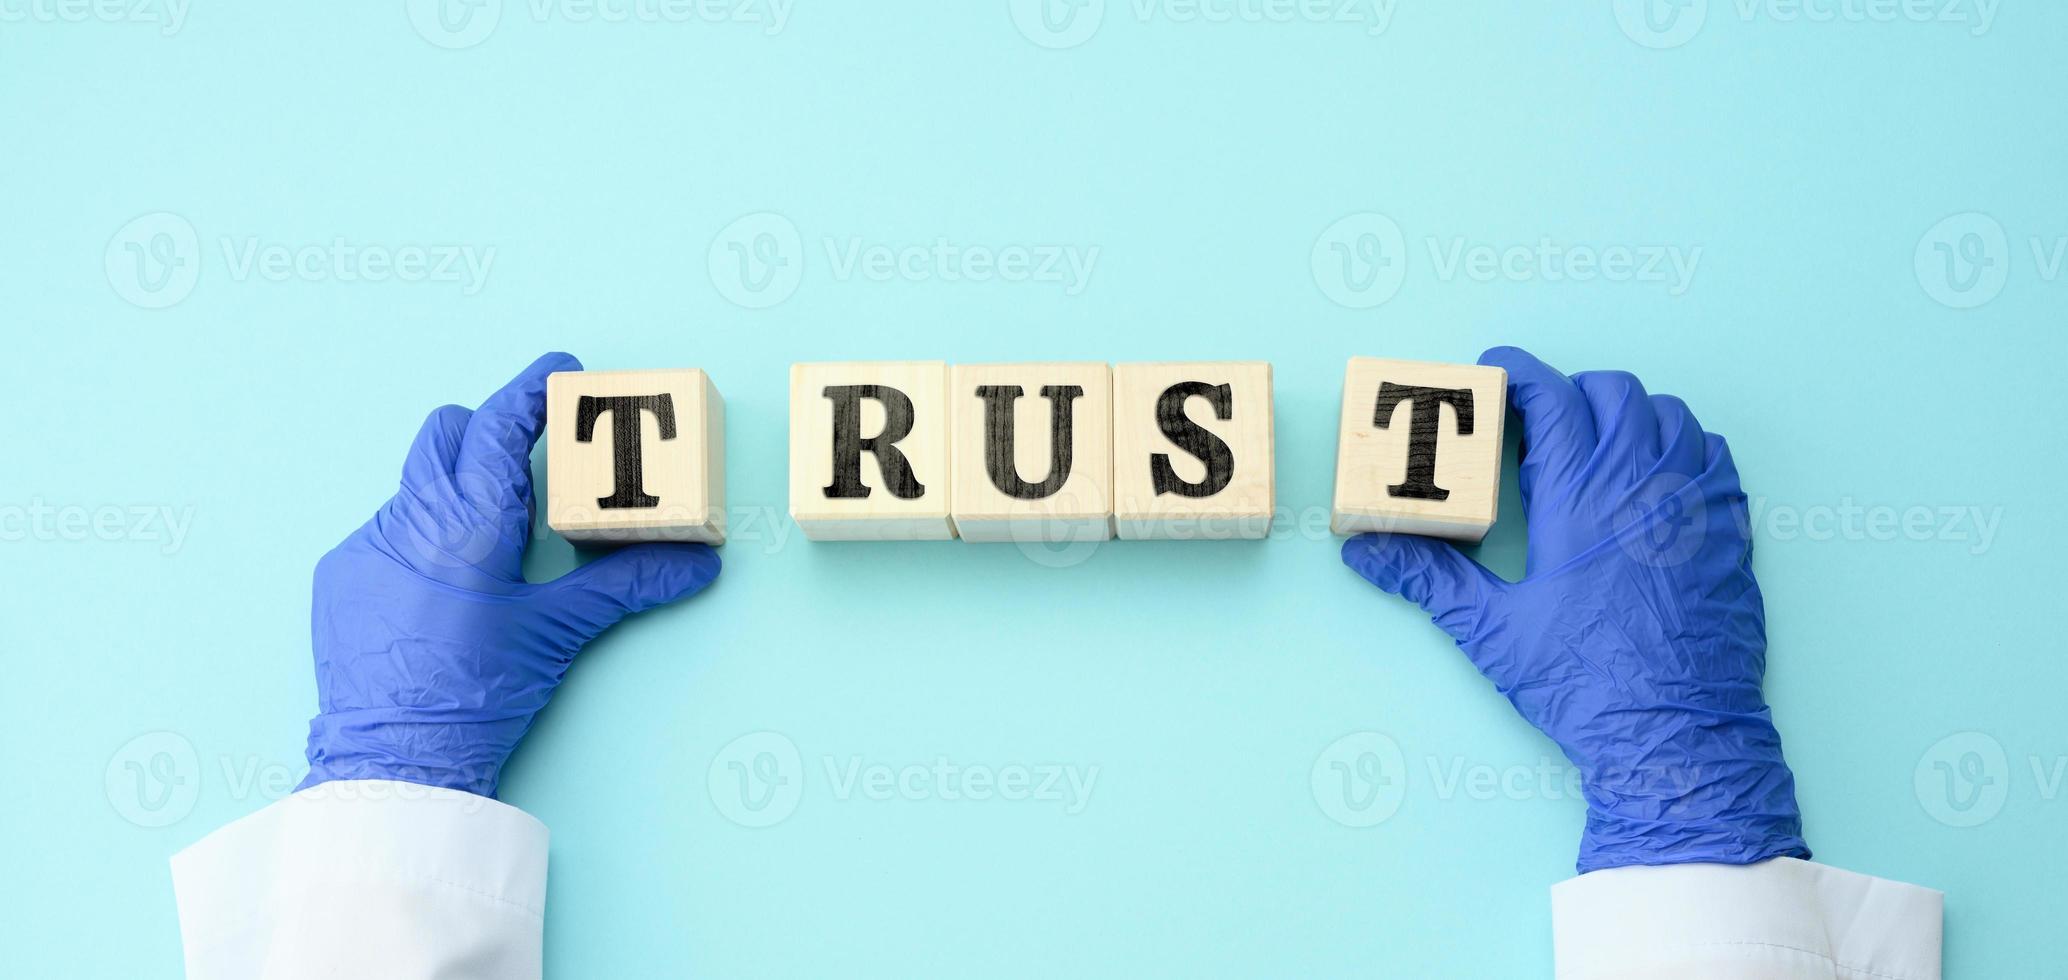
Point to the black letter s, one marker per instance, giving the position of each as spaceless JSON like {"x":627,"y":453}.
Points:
{"x":1190,"y":437}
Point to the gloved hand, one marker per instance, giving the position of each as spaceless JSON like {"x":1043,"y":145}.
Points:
{"x":432,"y":652}
{"x":1636,"y":639}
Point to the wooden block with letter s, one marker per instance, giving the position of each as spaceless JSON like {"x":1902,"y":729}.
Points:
{"x":869,"y":451}
{"x":1192,"y":450}
{"x":635,"y":456}
{"x":1033,"y":452}
{"x":1419,"y":451}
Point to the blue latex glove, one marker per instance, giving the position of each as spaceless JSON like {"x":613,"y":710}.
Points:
{"x":432,"y":652}
{"x":1636,"y":639}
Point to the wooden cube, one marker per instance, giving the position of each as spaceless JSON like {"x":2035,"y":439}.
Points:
{"x":1033,"y":451}
{"x":1192,"y":450}
{"x":869,"y":456}
{"x":1419,"y":451}
{"x":635,"y":456}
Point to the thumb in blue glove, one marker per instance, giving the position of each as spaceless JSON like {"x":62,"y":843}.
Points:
{"x":1636,"y":639}
{"x":433,"y":654}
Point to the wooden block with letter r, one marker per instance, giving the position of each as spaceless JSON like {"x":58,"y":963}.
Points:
{"x":1192,"y":450}
{"x":635,"y":456}
{"x":869,"y":456}
{"x":1033,"y":451}
{"x":1419,"y":451}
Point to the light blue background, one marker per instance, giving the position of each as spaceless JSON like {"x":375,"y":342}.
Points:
{"x":1807,"y":160}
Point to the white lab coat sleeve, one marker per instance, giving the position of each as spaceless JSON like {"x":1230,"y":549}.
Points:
{"x":366,"y":878}
{"x":1781,"y":919}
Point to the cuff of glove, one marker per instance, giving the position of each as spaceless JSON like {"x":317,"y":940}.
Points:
{"x":1678,"y":809}
{"x":379,"y":745}
{"x":430,"y":776}
{"x":1614,"y":842}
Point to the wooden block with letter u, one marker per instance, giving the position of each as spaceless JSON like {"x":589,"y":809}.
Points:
{"x":1192,"y":450}
{"x":869,"y":456}
{"x":1033,"y":451}
{"x":635,"y":456}
{"x":1419,"y":451}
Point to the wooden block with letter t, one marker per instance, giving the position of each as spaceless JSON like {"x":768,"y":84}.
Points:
{"x":1192,"y":450}
{"x":1419,"y":451}
{"x":1033,"y":451}
{"x":869,"y":456}
{"x":635,"y":456}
